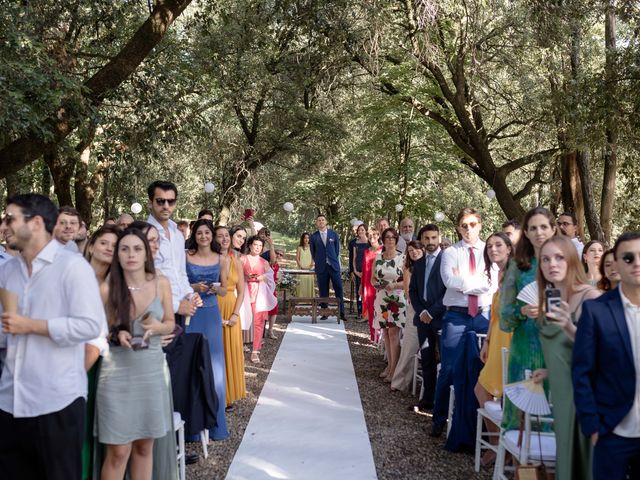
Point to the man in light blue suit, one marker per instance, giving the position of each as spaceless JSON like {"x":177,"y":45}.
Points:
{"x":325,"y":250}
{"x":606,"y":369}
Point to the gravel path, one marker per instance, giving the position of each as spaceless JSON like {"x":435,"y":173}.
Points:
{"x":402,"y":448}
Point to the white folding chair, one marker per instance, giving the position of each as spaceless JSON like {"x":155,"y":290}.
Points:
{"x":492,"y":411}
{"x":204,"y":439}
{"x":178,"y":425}
{"x":535,"y":447}
{"x":417,"y":374}
{"x":452,"y":406}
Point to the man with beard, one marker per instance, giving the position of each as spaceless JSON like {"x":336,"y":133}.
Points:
{"x":67,"y":227}
{"x":426,"y":290}
{"x":568,"y":225}
{"x":407,"y":227}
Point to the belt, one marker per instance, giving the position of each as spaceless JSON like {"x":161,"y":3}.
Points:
{"x":465,"y":310}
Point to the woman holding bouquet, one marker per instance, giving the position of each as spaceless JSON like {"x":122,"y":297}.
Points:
{"x":390,"y":305}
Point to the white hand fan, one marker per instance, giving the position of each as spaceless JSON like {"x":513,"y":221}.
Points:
{"x":529,"y":294}
{"x":528,"y":396}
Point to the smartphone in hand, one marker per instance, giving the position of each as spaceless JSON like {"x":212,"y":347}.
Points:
{"x":552,"y":298}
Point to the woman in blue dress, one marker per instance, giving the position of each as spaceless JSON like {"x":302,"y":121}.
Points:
{"x":206,"y":270}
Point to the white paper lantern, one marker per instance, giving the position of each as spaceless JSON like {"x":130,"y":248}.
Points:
{"x":439,"y":216}
{"x":353,"y":222}
{"x":491,"y":194}
{"x":136,"y":208}
{"x":209,"y":187}
{"x":399,"y":207}
{"x":288,"y":207}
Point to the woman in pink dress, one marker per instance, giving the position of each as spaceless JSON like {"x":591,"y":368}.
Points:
{"x":367,"y":291}
{"x":261,"y":287}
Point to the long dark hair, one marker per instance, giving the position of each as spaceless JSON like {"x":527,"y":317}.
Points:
{"x":408,"y":262}
{"x":604,"y":283}
{"x":524,"y":249}
{"x":304,"y":234}
{"x":232,"y":232}
{"x":192,"y":245}
{"x":119,"y":301}
{"x":584,"y":252}
{"x":485,"y":254}
{"x":103,"y":230}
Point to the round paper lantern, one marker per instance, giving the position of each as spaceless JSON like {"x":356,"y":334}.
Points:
{"x":353,"y":222}
{"x":136,"y":208}
{"x":439,"y":216}
{"x":399,"y":207}
{"x":288,"y":207}
{"x":209,"y":187}
{"x":491,"y":194}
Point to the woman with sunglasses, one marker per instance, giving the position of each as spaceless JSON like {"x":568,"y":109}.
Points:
{"x":390,"y":304}
{"x":560,"y":269}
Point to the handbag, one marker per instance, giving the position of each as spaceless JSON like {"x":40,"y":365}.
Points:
{"x":531,"y":472}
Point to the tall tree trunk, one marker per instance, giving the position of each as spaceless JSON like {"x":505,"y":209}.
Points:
{"x":590,"y":213}
{"x":611,"y":102}
{"x":62,"y":172}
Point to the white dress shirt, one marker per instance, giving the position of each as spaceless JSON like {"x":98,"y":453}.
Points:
{"x":172,"y":261}
{"x":630,"y":425}
{"x":43,"y":374}
{"x":462,"y":284}
{"x":579,"y":245}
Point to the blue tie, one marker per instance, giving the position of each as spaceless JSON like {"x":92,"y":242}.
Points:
{"x":427,"y":271}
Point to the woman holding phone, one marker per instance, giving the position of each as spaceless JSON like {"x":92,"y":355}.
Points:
{"x":132,"y":398}
{"x":207,"y":272}
{"x":563,"y":286}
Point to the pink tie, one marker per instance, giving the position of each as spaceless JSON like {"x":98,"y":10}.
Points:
{"x":473,"y":299}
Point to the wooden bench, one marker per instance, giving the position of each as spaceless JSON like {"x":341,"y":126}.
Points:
{"x":311,"y":306}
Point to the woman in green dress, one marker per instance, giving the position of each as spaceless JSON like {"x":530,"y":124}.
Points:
{"x":515,"y":315}
{"x":560,"y":268}
{"x":306,"y":286}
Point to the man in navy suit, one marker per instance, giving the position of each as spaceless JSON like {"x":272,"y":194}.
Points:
{"x":325,"y":250}
{"x":426,"y":290}
{"x":606,"y":366}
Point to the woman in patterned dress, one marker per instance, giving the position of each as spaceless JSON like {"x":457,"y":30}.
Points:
{"x":390,"y":305}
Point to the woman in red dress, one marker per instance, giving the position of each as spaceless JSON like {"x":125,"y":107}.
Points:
{"x":367,"y":291}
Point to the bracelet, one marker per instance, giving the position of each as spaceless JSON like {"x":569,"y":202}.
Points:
{"x":235,"y":315}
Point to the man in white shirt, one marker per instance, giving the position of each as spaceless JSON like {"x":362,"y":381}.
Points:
{"x":606,"y":369}
{"x":43,"y":383}
{"x":568,"y":225}
{"x":171,"y":258}
{"x":407,"y":228}
{"x":467,"y":300}
{"x":67,"y":228}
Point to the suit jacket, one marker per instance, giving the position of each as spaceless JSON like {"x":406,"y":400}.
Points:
{"x":322,"y":254}
{"x":603,"y":370}
{"x":435,"y":291}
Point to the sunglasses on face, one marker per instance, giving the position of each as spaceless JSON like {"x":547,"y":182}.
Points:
{"x":9,"y":218}
{"x":169,"y":201}
{"x":464,"y":226}
{"x":629,"y":257}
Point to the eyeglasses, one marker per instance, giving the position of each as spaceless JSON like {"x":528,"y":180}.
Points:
{"x":629,"y":257}
{"x":464,"y":226}
{"x":9,"y":218}
{"x":169,"y":201}
{"x":389,"y":237}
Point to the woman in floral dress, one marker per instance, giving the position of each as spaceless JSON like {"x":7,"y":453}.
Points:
{"x":390,"y":305}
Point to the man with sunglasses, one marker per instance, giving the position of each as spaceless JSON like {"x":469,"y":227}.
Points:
{"x":606,"y":369}
{"x":171,"y":258}
{"x":467,"y":300}
{"x":43,"y":385}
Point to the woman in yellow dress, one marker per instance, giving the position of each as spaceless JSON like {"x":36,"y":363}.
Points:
{"x":498,"y":251}
{"x":230,"y":305}
{"x":306,"y":285}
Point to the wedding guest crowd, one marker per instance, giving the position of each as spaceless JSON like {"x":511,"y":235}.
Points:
{"x":88,"y":364}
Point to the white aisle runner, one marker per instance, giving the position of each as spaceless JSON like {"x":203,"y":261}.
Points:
{"x":308,"y":423}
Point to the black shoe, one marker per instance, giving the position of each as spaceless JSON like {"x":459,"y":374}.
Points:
{"x":436,"y":430}
{"x":191,"y":458}
{"x":424,"y":406}
{"x":323,"y":317}
{"x":343,"y":318}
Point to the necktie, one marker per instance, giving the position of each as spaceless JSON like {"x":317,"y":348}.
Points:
{"x":324,"y":237}
{"x":427,"y":271}
{"x":473,"y":299}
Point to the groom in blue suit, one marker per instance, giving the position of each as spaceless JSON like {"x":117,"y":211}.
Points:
{"x":605,"y":369}
{"x":325,"y":250}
